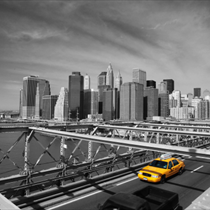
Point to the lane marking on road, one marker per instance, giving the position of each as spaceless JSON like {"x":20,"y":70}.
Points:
{"x":76,"y":199}
{"x":126,"y":181}
{"x":196,"y":169}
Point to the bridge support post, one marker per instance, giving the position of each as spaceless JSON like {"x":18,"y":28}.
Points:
{"x":158,"y":138}
{"x":62,"y":158}
{"x":26,"y":170}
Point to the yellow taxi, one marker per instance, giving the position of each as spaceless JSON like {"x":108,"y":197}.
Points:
{"x":161,"y":168}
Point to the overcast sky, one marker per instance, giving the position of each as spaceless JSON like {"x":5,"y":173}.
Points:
{"x":167,"y":39}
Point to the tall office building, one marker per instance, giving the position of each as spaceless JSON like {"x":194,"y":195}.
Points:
{"x":194,"y":103}
{"x":61,"y":110}
{"x":110,"y":104}
{"x":76,"y":95}
{"x":150,"y":102}
{"x":132,"y":96}
{"x":118,"y":81}
{"x":206,"y":93}
{"x":162,"y":88}
{"x":151,"y":83}
{"x":169,"y":84}
{"x":30,"y":93}
{"x":21,"y":102}
{"x":110,"y":76}
{"x":86,"y":82}
{"x":48,"y":106}
{"x":190,"y":97}
{"x":203,"y":110}
{"x":163,"y":104}
{"x":101,"y":87}
{"x":91,"y":102}
{"x":197,"y":92}
{"x":37,"y":103}
{"x":102,"y":78}
{"x":139,"y":76}
{"x":176,"y":95}
{"x":163,"y":100}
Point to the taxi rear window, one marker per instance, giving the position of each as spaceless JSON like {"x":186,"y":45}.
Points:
{"x":158,"y":164}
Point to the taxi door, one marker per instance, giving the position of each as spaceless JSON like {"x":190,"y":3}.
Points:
{"x":176,"y":166}
{"x":170,"y":170}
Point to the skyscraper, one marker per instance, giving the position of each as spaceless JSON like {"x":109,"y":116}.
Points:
{"x":110,"y":104}
{"x":162,"y":87}
{"x":163,"y":100}
{"x":21,"y":103}
{"x":101,"y":87}
{"x":30,"y":93}
{"x":206,"y":93}
{"x":176,"y":95}
{"x":48,"y":106}
{"x":118,"y":81}
{"x":102,"y":78}
{"x":151,"y":83}
{"x":169,"y":85}
{"x":197,"y":92}
{"x":110,"y":76}
{"x":150,"y":102}
{"x":91,"y":102}
{"x":76,"y":95}
{"x":132,"y":96}
{"x":37,"y":103}
{"x":139,"y":76}
{"x":61,"y":111}
{"x":86,"y":82}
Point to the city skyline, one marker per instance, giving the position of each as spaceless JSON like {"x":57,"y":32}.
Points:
{"x":166,"y":39}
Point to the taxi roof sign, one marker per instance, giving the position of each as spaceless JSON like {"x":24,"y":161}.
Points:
{"x":165,"y":156}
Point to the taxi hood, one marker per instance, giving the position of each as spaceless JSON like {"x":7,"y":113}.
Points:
{"x":152,"y":169}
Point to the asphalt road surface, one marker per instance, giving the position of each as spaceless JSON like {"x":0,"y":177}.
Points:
{"x":193,"y":182}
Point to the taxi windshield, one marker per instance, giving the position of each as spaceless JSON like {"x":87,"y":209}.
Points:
{"x":158,"y":164}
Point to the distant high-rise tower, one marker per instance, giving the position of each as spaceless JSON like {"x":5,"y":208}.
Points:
{"x":151,"y":83}
{"x":91,"y":102}
{"x":86,"y":82}
{"x":118,"y":81}
{"x":176,"y":95}
{"x":48,"y":106}
{"x":76,"y":95}
{"x":102,"y":78}
{"x":150,"y":102}
{"x":132,"y":96}
{"x":21,"y":103}
{"x":163,"y":100}
{"x":110,"y":76}
{"x":101,"y":87}
{"x":197,"y":92}
{"x":37,"y":103}
{"x":30,"y":92}
{"x":206,"y":93}
{"x":162,"y":88}
{"x":169,"y":85}
{"x":61,"y":111}
{"x":110,"y":104}
{"x":139,"y":76}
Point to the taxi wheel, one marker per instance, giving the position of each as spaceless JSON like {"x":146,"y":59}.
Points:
{"x":180,"y":171}
{"x":163,"y":179}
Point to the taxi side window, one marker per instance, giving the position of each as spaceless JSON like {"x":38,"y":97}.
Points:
{"x":170,"y":165}
{"x":175,"y":162}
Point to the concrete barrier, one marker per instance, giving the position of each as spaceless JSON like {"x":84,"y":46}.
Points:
{"x":202,"y":202}
{"x":6,"y":204}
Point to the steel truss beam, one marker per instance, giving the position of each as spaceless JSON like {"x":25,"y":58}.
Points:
{"x":136,"y":144}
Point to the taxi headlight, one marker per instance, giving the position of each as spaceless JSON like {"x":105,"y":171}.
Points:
{"x":140,"y":172}
{"x":155,"y":176}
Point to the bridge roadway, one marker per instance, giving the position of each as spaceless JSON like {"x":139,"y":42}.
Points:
{"x":192,"y":183}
